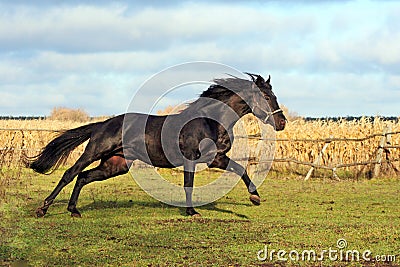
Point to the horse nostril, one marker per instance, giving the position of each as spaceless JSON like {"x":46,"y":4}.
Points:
{"x":283,"y":122}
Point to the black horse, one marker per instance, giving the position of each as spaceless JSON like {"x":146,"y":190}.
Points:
{"x":164,"y":141}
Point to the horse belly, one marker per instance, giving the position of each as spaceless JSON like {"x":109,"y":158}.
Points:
{"x":158,"y":158}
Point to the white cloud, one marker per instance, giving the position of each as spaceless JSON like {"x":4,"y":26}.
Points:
{"x":112,"y":28}
{"x":102,"y":52}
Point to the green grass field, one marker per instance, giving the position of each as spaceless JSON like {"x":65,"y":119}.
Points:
{"x":123,"y":226}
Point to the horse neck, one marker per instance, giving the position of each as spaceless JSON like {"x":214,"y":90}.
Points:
{"x":217,"y":110}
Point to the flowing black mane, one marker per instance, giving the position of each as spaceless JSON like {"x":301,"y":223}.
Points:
{"x":224,"y":88}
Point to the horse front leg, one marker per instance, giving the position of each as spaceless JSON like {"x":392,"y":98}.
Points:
{"x":223,"y":162}
{"x":188,"y":177}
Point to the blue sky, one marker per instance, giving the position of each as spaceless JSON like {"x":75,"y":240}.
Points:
{"x":326,"y":58}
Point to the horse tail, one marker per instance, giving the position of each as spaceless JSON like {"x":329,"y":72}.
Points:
{"x":57,"y":151}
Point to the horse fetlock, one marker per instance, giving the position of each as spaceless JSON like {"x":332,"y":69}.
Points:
{"x":252,"y":189}
{"x":254,"y":193}
{"x":47,"y":203}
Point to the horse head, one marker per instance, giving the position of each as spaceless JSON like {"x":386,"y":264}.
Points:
{"x":263,"y":102}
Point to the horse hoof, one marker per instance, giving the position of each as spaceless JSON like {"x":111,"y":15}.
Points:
{"x":192,"y":212}
{"x":74,"y":212}
{"x":40,"y":212}
{"x":196,"y":215}
{"x":76,"y":215}
{"x":256,"y":200}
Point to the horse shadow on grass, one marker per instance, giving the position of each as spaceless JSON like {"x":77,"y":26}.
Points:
{"x":99,"y":205}
{"x":213,"y":207}
{"x":103,"y":205}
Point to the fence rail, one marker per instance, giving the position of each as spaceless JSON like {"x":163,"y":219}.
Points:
{"x":31,"y":130}
{"x":383,"y":147}
{"x":319,"y":140}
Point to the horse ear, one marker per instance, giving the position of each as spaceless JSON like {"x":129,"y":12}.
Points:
{"x":269,"y":79}
{"x":257,"y":79}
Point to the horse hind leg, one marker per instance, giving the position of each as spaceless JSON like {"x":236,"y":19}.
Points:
{"x":67,"y":177}
{"x":111,"y":167}
{"x":93,"y":152}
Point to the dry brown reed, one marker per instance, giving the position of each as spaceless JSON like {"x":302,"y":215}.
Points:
{"x":29,"y":137}
{"x":68,"y":114}
{"x":303,"y":141}
{"x":337,"y":152}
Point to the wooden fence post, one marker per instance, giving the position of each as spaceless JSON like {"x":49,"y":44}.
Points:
{"x":334,"y":175}
{"x":317,"y":160}
{"x":379,"y":153}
